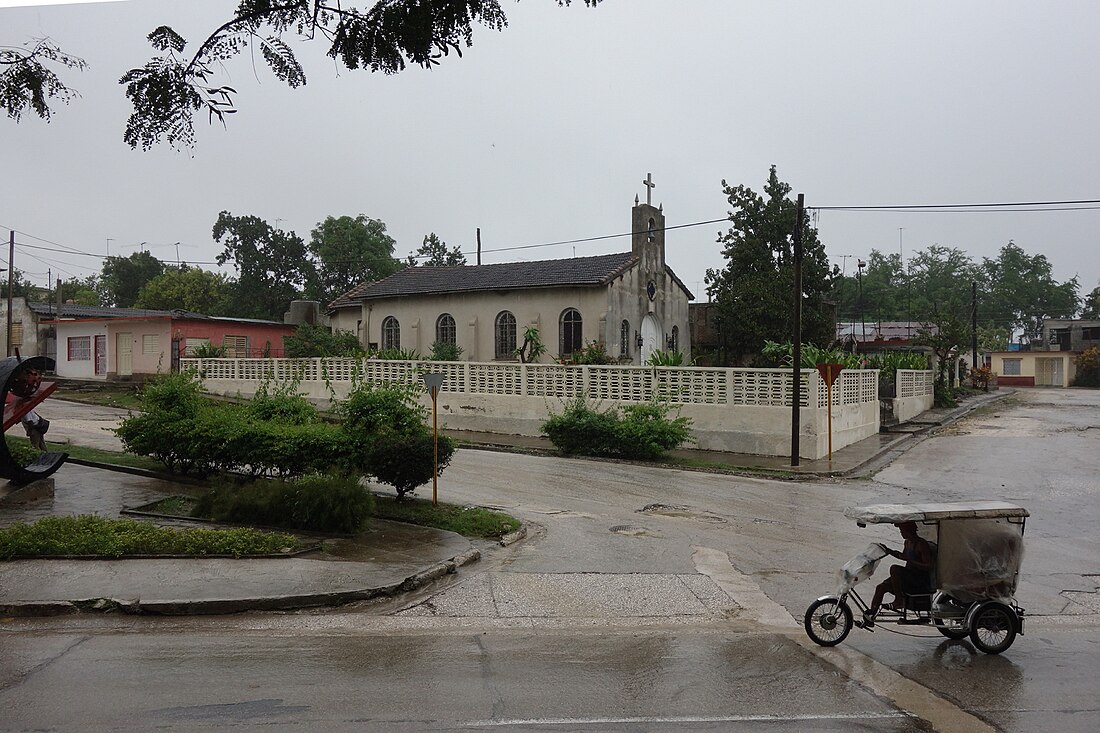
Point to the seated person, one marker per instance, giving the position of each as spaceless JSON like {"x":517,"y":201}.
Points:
{"x":913,"y":578}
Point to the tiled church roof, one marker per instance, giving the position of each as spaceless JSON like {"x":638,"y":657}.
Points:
{"x":578,"y":271}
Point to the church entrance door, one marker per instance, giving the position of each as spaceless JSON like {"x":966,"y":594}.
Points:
{"x":651,"y":338}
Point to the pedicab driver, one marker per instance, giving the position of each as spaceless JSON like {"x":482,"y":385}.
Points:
{"x":913,"y":578}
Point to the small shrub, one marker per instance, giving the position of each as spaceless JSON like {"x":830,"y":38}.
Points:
{"x":405,"y":460}
{"x":981,"y":378}
{"x":943,"y":396}
{"x":594,"y":352}
{"x":582,"y":429}
{"x":1088,"y":368}
{"x":445,"y":352}
{"x":639,"y":432}
{"x":320,"y":503}
{"x":21,"y":451}
{"x":281,"y":404}
{"x":311,"y":340}
{"x":666,"y":359}
{"x":647,"y":433}
{"x":210,"y":351}
{"x":398,"y":355}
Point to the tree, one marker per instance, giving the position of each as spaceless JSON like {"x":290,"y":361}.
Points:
{"x":123,"y":278}
{"x":82,"y":291}
{"x":1020,"y":291}
{"x":434,"y":253}
{"x":171,"y":87}
{"x":311,"y":340}
{"x":272,"y":265}
{"x":186,"y":288}
{"x":350,"y":251}
{"x":946,"y":335}
{"x":1092,"y":305}
{"x":21,"y":287}
{"x":752,"y":293}
{"x":27,"y":80}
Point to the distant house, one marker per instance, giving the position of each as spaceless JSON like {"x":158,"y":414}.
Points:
{"x":876,"y":336}
{"x":630,"y":302}
{"x":1032,"y":368}
{"x":1070,"y":334}
{"x":108,"y":343}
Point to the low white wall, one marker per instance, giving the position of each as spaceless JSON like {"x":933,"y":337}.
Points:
{"x":732,"y":410}
{"x":915,"y":393}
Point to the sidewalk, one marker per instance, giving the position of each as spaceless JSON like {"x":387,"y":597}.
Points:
{"x":390,"y":558}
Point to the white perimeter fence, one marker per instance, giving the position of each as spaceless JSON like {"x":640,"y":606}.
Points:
{"x":734,"y":410}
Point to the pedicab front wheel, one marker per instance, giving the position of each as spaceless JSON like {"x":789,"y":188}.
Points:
{"x":828,"y":621}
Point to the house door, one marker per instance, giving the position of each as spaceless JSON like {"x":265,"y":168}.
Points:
{"x":651,"y":338}
{"x":124,"y":343}
{"x":1048,"y":372}
{"x":100,"y":355}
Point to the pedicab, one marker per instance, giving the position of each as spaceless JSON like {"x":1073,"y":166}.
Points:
{"x":976,"y":548}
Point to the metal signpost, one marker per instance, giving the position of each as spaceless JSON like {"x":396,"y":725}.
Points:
{"x":432,"y":383}
{"x":829,"y":372}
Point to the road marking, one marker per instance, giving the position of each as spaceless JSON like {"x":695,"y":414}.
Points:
{"x":755,"y":605}
{"x":682,"y":720}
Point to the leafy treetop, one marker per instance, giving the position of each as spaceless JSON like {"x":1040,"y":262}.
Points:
{"x":434,"y":253}
{"x":173,"y":86}
{"x":27,"y":80}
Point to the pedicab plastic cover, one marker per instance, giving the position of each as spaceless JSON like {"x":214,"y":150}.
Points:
{"x":980,"y":559}
{"x":860,"y":568}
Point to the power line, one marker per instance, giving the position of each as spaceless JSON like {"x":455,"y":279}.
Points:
{"x":1078,"y":205}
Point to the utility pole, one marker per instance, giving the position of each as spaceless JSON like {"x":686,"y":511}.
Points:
{"x":796,"y":369}
{"x":479,"y":245}
{"x":11,"y":282}
{"x":973,"y":325}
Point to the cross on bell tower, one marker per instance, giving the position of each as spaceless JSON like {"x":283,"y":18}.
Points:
{"x":649,"y":185}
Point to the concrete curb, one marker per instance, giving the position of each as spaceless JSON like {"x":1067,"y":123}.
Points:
{"x":216,"y":606}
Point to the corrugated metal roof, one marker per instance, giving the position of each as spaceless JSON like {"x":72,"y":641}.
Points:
{"x":72,"y":310}
{"x":578,"y":271}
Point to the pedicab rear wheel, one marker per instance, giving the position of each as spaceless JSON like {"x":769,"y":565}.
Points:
{"x":828,"y":621}
{"x":993,"y":628}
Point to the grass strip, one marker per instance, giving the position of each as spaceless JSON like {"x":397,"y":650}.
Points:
{"x":93,"y":536}
{"x":467,"y":521}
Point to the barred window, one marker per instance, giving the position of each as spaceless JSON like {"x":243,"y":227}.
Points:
{"x":1011,"y":367}
{"x":505,"y":336}
{"x":80,"y":348}
{"x":391,"y":333}
{"x":445,"y":330}
{"x":569,"y":332}
{"x":624,"y":339}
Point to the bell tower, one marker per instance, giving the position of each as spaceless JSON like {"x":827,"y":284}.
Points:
{"x":648,"y":232}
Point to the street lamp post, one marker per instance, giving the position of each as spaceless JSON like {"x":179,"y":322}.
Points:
{"x":432,"y":383}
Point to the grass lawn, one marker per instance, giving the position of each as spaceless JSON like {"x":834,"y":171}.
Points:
{"x":463,"y":520}
{"x":92,"y":536}
{"x":110,"y":395}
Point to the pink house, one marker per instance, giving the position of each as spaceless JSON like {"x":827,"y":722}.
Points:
{"x":109,"y":343}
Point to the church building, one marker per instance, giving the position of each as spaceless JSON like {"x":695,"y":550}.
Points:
{"x":631,"y":302}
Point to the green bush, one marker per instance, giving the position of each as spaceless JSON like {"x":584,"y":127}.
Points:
{"x":310,"y":340}
{"x":318,"y":503}
{"x":636,"y":432}
{"x":281,"y":404}
{"x":445,"y":352}
{"x":583,"y":430}
{"x":594,"y":352}
{"x":647,"y":433}
{"x":21,"y":451}
{"x":667,"y":359}
{"x":404,"y":460}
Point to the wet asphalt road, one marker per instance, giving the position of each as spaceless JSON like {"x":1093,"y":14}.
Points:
{"x":621,"y":615}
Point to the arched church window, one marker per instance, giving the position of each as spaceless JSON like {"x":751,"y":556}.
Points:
{"x":505,"y":336}
{"x":624,"y":338}
{"x":445,"y":330}
{"x":675,"y":338}
{"x":569,"y":332}
{"x":391,"y":333}
{"x":650,"y":233}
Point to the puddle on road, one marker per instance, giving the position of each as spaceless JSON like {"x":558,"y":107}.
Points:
{"x":682,"y":512}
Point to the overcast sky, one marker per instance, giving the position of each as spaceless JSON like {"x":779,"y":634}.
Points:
{"x":545,"y":131}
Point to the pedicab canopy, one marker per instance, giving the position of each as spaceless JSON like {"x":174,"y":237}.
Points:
{"x":979,"y":544}
{"x":894,"y":513}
